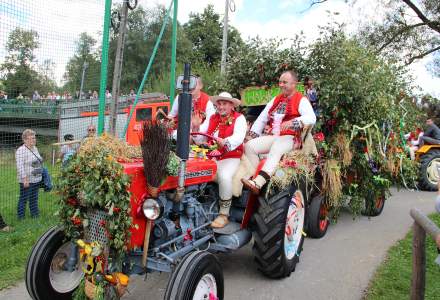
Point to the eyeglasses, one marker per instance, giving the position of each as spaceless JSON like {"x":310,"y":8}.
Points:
{"x":91,"y":130}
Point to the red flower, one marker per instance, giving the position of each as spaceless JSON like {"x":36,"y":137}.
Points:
{"x":365,"y":149}
{"x":116,"y":209}
{"x":76,"y":221}
{"x":319,"y":136}
{"x":72,"y":201}
{"x":290,"y":164}
{"x":102,"y":223}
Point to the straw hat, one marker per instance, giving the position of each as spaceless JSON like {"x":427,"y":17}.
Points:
{"x":225,"y":96}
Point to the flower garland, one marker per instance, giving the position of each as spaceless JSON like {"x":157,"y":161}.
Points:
{"x":95,"y":179}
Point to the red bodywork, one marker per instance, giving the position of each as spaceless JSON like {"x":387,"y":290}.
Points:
{"x":197,"y":171}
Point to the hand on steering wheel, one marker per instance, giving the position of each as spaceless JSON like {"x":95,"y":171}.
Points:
{"x":214,"y":153}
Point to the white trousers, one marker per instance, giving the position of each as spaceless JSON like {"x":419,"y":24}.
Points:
{"x":274,"y":146}
{"x":226,"y":169}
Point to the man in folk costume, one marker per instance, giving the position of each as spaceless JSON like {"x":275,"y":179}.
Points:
{"x":229,"y":129}
{"x":285,"y":114}
{"x":202,"y":108}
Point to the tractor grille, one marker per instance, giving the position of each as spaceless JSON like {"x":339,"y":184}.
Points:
{"x":95,"y":232}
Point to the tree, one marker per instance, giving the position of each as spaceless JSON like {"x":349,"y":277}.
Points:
{"x":84,"y":54}
{"x":143,"y":30}
{"x":410,"y":30}
{"x":205,"y":31}
{"x":18,"y":71}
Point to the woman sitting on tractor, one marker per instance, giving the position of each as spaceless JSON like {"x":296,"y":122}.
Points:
{"x":229,"y":130}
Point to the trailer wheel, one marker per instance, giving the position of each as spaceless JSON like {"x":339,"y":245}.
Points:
{"x":278,"y":234}
{"x":45,"y":276}
{"x":374,"y":204}
{"x":317,"y":220}
{"x":198,"y":276}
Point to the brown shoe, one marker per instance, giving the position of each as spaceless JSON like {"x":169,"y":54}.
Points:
{"x":220,"y":222}
{"x":251,"y":185}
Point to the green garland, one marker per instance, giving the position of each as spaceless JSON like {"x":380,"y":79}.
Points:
{"x":95,"y":180}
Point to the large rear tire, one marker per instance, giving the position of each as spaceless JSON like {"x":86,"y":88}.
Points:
{"x":429,"y":177}
{"x":278,"y":234}
{"x":45,"y":276}
{"x":317,"y":218}
{"x":198,"y":276}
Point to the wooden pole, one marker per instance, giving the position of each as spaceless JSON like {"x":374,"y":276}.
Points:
{"x":419,"y":263}
{"x":146,"y":242}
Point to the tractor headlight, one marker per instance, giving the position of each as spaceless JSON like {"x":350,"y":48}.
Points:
{"x":151,"y":209}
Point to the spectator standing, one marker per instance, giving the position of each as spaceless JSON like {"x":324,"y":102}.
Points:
{"x":311,"y":94}
{"x":95,"y":95}
{"x":29,"y":170}
{"x":36,"y":96}
{"x":68,"y":150}
{"x":91,"y":131}
{"x":108,"y":95}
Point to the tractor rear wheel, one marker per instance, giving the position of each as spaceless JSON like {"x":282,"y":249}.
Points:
{"x":278,"y":234}
{"x":429,"y":176}
{"x":198,"y":276}
{"x":45,"y":274}
{"x":317,"y":218}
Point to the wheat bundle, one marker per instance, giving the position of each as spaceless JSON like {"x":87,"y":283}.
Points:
{"x":110,"y":144}
{"x":331,"y":184}
{"x":156,"y":147}
{"x":343,"y":148}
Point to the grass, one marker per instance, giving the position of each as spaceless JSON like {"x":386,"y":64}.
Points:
{"x":393,"y":278}
{"x":15,"y":246}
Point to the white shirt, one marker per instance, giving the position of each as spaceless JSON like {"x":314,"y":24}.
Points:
{"x":307,"y":117}
{"x":233,"y":141}
{"x":210,"y":110}
{"x":27,"y":163}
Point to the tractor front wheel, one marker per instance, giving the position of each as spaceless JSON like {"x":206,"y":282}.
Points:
{"x":278,"y":234}
{"x":198,"y":276}
{"x":374,"y":204}
{"x":429,"y":176}
{"x":46,"y":277}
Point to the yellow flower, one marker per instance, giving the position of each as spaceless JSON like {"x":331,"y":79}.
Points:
{"x":109,"y":158}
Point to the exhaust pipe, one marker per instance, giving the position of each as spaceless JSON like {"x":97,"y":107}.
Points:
{"x":183,"y":130}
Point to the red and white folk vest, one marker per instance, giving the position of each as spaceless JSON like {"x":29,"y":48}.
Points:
{"x":291,"y":109}
{"x":225,"y":126}
{"x":199,"y":107}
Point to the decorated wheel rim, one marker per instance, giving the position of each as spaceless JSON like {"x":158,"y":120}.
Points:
{"x":61,"y":280}
{"x":431,"y":171}
{"x":379,"y":202}
{"x":323,"y":219}
{"x":206,"y":288}
{"x":294,"y":225}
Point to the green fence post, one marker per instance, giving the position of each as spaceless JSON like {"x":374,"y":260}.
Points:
{"x":173,"y":53}
{"x":104,"y":66}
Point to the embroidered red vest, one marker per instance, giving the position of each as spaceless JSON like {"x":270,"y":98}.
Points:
{"x":199,"y":107}
{"x":291,"y":112}
{"x":225,"y":130}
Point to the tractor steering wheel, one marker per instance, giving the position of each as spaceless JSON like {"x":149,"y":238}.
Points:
{"x":214,"y":153}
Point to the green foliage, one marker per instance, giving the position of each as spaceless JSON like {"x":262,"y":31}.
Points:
{"x":393,"y":278}
{"x":261,"y":62}
{"x":205,"y":31}
{"x":20,"y":72}
{"x":95,"y":179}
{"x":85,"y":57}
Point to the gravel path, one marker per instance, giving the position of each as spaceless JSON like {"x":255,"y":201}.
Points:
{"x":338,"y":266}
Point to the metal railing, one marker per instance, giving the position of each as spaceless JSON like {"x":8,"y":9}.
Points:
{"x":422,"y":226}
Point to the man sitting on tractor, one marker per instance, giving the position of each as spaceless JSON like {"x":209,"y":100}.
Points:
{"x":431,"y":136}
{"x":286,"y":114}
{"x":228,"y":127}
{"x":202,"y":108}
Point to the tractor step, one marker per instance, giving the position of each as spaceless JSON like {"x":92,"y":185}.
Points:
{"x":230,"y":228}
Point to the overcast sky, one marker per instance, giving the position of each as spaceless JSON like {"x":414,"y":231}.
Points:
{"x":60,"y":21}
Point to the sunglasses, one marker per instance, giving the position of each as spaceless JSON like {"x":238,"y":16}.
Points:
{"x":91,"y":130}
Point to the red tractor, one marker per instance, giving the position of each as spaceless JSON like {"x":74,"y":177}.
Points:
{"x":172,"y":233}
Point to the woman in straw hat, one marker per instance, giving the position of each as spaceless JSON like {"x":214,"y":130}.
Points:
{"x":229,"y":129}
